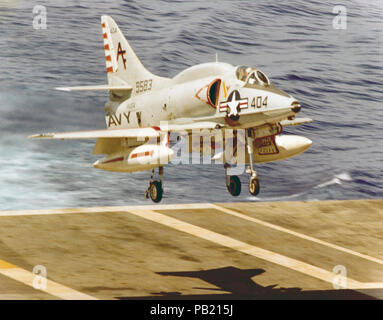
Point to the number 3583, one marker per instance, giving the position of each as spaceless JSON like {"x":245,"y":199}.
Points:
{"x":144,"y":85}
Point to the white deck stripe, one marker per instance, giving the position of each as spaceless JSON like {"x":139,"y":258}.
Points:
{"x":294,"y":233}
{"x":102,"y":209}
{"x":257,"y":252}
{"x":53,"y":288}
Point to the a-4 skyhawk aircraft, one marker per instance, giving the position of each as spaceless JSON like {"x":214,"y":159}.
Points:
{"x":210,"y":97}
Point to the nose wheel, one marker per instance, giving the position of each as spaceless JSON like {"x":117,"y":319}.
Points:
{"x":254,"y":186}
{"x":155,"y":189}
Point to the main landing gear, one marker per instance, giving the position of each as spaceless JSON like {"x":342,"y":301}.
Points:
{"x":233,"y":183}
{"x":155,"y":189}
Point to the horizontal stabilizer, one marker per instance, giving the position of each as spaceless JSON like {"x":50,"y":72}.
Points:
{"x":95,"y":88}
{"x":295,"y":122}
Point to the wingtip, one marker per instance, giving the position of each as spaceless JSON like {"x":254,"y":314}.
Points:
{"x":41,"y":135}
{"x":63,"y":89}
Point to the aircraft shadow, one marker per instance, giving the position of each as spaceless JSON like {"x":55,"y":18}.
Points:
{"x":240,"y":286}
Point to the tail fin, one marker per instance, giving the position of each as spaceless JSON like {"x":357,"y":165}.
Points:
{"x":122,"y":65}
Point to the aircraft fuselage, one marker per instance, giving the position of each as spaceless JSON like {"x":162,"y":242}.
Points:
{"x":208,"y":97}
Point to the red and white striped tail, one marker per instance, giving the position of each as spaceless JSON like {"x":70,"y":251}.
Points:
{"x":122,"y":65}
{"x":110,"y":57}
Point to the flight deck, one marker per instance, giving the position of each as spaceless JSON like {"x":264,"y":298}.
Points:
{"x":248,"y":250}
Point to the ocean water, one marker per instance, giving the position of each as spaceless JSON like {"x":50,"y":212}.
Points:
{"x":336,"y":74}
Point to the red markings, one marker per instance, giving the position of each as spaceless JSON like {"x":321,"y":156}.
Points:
{"x":266,"y":145}
{"x":106,"y":47}
{"x":197,"y":94}
{"x":168,"y":142}
{"x":109,"y":69}
{"x":245,"y":104}
{"x":108,"y":58}
{"x":114,"y":160}
{"x":142,"y":154}
{"x":157,"y":128}
{"x":208,"y":87}
{"x":103,"y":24}
{"x":132,"y":156}
{"x":105,"y":36}
{"x":223,"y":107}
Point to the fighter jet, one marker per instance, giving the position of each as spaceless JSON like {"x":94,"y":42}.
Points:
{"x":144,"y":110}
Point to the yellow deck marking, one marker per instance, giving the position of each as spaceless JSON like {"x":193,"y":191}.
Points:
{"x":53,"y":288}
{"x":6,"y":265}
{"x":257,"y":252}
{"x":297,"y":234}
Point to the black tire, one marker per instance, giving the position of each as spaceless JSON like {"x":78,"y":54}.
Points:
{"x":156,"y":191}
{"x":234,"y":186}
{"x":254,"y":186}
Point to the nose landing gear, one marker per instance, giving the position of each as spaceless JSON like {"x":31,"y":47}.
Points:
{"x":233,"y":183}
{"x":254,"y":186}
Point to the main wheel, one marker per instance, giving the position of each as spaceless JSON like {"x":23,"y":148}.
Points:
{"x":254,"y":186}
{"x":234,"y":187}
{"x":156,"y":191}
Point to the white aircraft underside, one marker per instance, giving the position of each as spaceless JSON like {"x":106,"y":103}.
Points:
{"x":214,"y":102}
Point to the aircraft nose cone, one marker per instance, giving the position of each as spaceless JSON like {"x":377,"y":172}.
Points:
{"x":295,"y":106}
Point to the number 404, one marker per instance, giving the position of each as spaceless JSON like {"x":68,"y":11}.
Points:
{"x":258,"y":102}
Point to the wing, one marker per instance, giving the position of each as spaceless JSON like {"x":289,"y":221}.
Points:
{"x":150,"y":132}
{"x":96,"y":88}
{"x":252,"y":120}
{"x":94,"y":134}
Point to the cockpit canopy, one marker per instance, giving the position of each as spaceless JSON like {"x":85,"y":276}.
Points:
{"x":251,"y":76}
